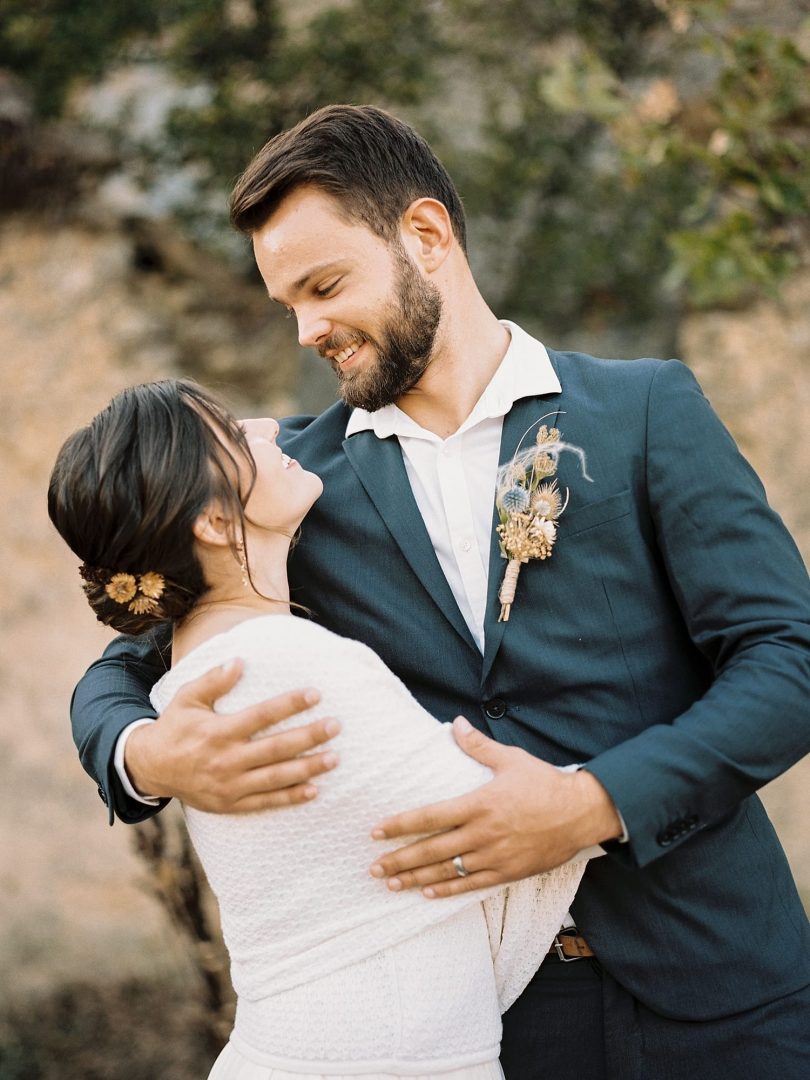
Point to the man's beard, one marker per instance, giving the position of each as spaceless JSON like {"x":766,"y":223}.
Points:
{"x":405,"y":348}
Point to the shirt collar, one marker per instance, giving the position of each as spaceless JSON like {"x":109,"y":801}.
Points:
{"x":525,"y":371}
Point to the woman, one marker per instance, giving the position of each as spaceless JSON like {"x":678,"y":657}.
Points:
{"x":180,"y":515}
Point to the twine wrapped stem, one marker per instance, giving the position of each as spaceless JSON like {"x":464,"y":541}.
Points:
{"x":506,"y":595}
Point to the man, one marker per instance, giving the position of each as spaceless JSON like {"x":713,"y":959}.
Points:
{"x":665,"y":643}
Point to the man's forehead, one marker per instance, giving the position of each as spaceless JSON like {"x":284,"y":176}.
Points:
{"x":308,"y":230}
{"x":288,"y":266}
{"x":309,"y":235}
{"x":303,"y":211}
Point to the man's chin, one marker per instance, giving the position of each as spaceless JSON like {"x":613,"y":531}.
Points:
{"x":354,"y":398}
{"x":359,"y":397}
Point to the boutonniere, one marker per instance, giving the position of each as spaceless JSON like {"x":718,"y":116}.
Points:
{"x":529,"y":505}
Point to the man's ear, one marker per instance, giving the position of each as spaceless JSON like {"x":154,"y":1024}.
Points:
{"x":427,"y":233}
{"x":212,"y":527}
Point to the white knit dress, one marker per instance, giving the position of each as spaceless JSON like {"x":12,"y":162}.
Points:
{"x":336,"y":975}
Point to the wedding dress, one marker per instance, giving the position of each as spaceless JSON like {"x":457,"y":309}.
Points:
{"x":335,"y":974}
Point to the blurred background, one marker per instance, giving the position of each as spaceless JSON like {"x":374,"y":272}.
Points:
{"x":637,"y":178}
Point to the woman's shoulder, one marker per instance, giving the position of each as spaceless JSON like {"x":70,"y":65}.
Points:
{"x":271,"y":647}
{"x":290,"y":636}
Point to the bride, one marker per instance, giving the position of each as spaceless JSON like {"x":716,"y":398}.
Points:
{"x":181,"y":514}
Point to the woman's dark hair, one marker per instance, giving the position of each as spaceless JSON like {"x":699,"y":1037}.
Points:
{"x":126,"y":490}
{"x":373,"y":164}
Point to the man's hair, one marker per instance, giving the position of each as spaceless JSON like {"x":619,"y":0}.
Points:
{"x":373,"y":164}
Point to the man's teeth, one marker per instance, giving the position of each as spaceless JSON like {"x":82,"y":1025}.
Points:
{"x":344,"y":354}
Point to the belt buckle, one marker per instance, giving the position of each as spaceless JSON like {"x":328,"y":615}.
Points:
{"x":558,"y":946}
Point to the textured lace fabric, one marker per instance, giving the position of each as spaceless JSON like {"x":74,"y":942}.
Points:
{"x":329,"y":965}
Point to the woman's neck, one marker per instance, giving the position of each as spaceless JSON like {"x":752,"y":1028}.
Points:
{"x":232,"y":598}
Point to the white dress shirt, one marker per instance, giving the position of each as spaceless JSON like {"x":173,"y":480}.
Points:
{"x":453,"y":479}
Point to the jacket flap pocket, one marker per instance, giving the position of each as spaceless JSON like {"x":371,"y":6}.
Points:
{"x":597,"y":513}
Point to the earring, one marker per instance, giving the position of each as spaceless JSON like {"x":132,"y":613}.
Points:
{"x":240,"y":547}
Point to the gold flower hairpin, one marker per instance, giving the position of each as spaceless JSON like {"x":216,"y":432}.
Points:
{"x":141,"y":593}
{"x":529,"y":505}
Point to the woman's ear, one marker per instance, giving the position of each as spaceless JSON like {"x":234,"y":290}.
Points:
{"x":428,"y":232}
{"x":212,"y":527}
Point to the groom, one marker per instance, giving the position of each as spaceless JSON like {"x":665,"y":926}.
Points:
{"x":665,"y":642}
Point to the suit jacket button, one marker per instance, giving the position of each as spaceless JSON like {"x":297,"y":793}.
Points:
{"x":665,"y":837}
{"x":102,"y":794}
{"x":495,"y":708}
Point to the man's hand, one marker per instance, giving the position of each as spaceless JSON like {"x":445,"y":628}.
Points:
{"x":211,"y":761}
{"x":529,"y":818}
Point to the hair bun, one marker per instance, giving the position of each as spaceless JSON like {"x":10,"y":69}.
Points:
{"x":133,"y":603}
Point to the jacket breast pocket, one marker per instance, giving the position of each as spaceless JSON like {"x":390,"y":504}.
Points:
{"x":594,"y":514}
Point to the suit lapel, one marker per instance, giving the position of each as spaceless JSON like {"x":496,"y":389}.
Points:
{"x":522,"y":416}
{"x":381,"y":470}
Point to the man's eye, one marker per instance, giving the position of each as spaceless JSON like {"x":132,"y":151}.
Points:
{"x":325,"y":290}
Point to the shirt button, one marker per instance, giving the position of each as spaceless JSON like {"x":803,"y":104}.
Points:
{"x":465,"y":545}
{"x":495,"y":708}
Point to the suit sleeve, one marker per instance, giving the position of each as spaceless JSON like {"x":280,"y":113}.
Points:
{"x":745,"y":598}
{"x":112,"y":694}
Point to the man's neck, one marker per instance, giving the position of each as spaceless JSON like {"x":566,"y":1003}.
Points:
{"x":463,"y":367}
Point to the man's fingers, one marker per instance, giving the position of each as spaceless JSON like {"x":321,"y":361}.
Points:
{"x":208,"y":688}
{"x":286,"y":774}
{"x":270,"y":800}
{"x":425,"y":875}
{"x":274,"y":785}
{"x":441,"y":848}
{"x":427,"y":819}
{"x":273,"y":748}
{"x":482,"y":880}
{"x":267,"y":713}
{"x":477,"y":745}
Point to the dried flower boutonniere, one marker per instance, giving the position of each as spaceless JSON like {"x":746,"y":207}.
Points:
{"x":529,"y":505}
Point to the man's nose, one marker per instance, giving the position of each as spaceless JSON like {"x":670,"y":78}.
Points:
{"x":312,"y":328}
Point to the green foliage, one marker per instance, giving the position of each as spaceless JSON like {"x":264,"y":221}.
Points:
{"x":264,"y":79}
{"x":53,"y":43}
{"x":616,"y":157}
{"x":736,"y":157}
{"x":584,"y":245}
{"x":756,"y":160}
{"x":725,"y":261}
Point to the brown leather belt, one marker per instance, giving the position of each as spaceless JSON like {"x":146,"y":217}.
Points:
{"x":570,"y":947}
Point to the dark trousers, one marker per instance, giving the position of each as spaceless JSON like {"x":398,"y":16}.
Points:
{"x":574,"y":1022}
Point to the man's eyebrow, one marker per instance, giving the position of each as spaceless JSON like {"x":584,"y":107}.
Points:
{"x":302,"y":281}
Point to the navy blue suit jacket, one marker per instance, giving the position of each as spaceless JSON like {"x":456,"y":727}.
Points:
{"x":666,"y":643}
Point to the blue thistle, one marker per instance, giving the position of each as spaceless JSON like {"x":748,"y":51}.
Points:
{"x":515,"y":500}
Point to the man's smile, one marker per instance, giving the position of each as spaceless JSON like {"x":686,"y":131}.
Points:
{"x":345,"y":356}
